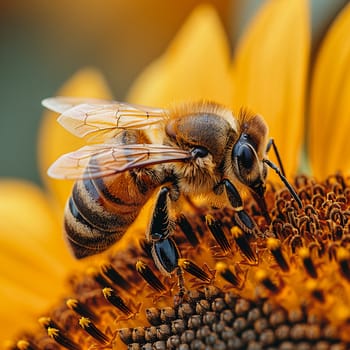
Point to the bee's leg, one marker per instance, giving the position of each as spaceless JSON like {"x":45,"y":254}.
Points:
{"x":241,"y":216}
{"x":165,"y":252}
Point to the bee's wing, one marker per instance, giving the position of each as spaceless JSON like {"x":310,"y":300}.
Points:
{"x":61,"y":104}
{"x":107,"y":159}
{"x":93,"y":117}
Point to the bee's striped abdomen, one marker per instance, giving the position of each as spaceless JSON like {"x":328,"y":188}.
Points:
{"x":100,"y":210}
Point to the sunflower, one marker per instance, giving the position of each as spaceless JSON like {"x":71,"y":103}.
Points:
{"x":286,"y":289}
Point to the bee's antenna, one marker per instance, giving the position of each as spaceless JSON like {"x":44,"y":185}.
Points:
{"x":284,"y":180}
{"x":275,"y":149}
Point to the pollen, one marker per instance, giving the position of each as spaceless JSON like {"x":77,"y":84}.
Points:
{"x":24,"y":345}
{"x":227,"y":274}
{"x":275,"y":247}
{"x":86,"y":324}
{"x":195,"y":270}
{"x":116,"y":300}
{"x":61,"y":339}
{"x":263,"y":277}
{"x":149,"y":276}
{"x":285,"y":286}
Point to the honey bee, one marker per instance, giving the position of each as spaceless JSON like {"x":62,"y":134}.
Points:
{"x":134,"y":152}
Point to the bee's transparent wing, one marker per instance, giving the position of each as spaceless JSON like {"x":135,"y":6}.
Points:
{"x":107,"y":159}
{"x":92,"y":117}
{"x":61,"y":104}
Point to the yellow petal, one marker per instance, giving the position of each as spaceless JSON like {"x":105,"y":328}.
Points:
{"x":33,"y":256}
{"x":270,"y":70}
{"x":19,"y":309}
{"x":329,"y":140}
{"x":194,"y":66}
{"x":54,"y":140}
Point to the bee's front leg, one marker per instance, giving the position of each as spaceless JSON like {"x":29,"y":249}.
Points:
{"x":242,"y":218}
{"x":165,"y":252}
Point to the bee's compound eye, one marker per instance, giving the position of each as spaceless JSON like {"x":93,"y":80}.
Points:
{"x":245,"y":156}
{"x":199,"y":152}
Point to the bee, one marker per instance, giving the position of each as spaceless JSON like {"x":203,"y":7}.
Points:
{"x":134,"y":152}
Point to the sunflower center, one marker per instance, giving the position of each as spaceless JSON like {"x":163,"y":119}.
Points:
{"x":285,"y":287}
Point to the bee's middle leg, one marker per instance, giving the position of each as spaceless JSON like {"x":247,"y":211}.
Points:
{"x":241,"y":216}
{"x":164,"y":250}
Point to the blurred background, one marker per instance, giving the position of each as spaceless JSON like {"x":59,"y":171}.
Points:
{"x":42,"y":43}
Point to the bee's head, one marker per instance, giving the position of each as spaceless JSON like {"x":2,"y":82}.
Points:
{"x":248,"y":168}
{"x":248,"y":153}
{"x":249,"y":159}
